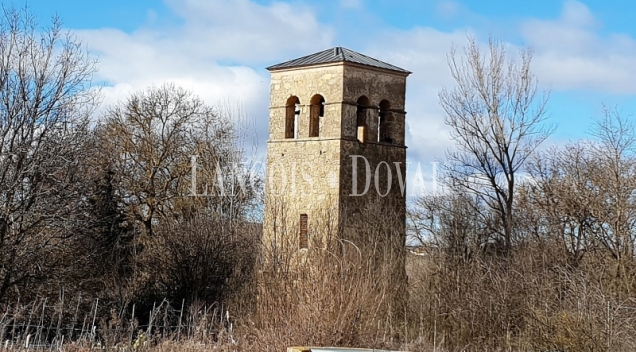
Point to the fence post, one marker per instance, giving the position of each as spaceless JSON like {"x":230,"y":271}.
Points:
{"x":93,"y":328}
{"x":150,"y":320}
{"x":29,"y":321}
{"x":79,"y":299}
{"x":609,"y":327}
{"x":17,"y":307}
{"x":132,"y":323}
{"x":180,"y":317}
{"x":165,"y":319}
{"x":59,"y":321}
{"x":40,"y":329}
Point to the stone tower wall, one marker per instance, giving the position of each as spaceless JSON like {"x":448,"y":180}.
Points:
{"x":303,"y":173}
{"x":304,"y":84}
{"x":302,"y":178}
{"x":387,"y":161}
{"x":376,"y":85}
{"x":318,"y":173}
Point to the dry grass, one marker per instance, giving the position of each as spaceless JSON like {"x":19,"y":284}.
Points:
{"x":342,"y":294}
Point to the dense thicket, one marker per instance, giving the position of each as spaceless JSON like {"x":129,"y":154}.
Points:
{"x":109,"y":207}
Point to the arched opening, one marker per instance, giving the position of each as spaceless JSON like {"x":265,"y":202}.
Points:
{"x":316,"y":111}
{"x":384,"y":122}
{"x":361,"y":118}
{"x":292,"y":110}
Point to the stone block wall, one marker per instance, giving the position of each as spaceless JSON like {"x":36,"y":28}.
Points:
{"x":314,"y":175}
{"x":304,"y":84}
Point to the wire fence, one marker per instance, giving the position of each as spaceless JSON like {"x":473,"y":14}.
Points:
{"x":41,"y":326}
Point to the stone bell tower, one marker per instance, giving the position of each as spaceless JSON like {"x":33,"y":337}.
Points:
{"x":336,"y":155}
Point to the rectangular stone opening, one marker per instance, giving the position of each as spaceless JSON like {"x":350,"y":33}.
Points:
{"x":304,"y":236}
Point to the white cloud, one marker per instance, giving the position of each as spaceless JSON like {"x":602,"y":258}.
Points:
{"x":210,"y":52}
{"x":577,"y":13}
{"x":245,"y":31}
{"x":350,"y":4}
{"x":134,"y":62}
{"x":571,"y":54}
{"x":448,"y":9}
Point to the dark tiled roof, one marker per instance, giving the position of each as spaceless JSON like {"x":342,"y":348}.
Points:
{"x":337,"y":54}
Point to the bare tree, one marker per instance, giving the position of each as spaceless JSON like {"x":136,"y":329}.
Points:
{"x":157,"y":141}
{"x":495,"y":113}
{"x":615,"y":155}
{"x":450,"y":223}
{"x":45,"y":102}
{"x":563,"y":193}
{"x":586,"y":189}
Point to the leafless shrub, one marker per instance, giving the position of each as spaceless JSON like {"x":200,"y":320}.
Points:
{"x":201,"y":259}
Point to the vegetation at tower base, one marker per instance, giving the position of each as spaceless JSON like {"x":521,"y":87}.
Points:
{"x":102,"y":244}
{"x":337,"y":292}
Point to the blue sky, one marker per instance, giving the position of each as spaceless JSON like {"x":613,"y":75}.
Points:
{"x":584,"y":51}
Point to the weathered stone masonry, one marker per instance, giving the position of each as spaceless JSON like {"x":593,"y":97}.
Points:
{"x":324,"y":109}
